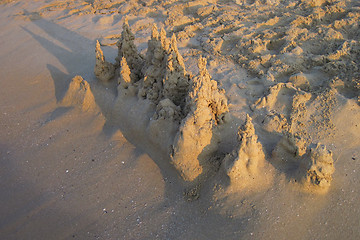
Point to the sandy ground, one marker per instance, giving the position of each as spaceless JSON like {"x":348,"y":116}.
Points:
{"x":66,"y":173}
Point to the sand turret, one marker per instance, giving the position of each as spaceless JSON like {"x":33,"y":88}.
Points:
{"x":163,"y":39}
{"x":154,"y":67}
{"x":195,"y":141}
{"x":248,"y":157}
{"x":205,"y":93}
{"x":103,"y":70}
{"x":319,"y":167}
{"x":127,"y":49}
{"x":176,"y":81}
{"x":124,"y":78}
{"x":79,"y":94}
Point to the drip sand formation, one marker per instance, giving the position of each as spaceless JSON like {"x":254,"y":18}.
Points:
{"x":184,"y":115}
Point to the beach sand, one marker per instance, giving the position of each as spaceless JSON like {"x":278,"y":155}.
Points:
{"x":179,"y":120}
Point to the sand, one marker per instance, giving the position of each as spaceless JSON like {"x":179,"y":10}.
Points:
{"x":179,"y":120}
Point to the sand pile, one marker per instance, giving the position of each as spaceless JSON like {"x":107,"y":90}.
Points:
{"x":245,"y":165}
{"x":80,"y":95}
{"x":310,"y":166}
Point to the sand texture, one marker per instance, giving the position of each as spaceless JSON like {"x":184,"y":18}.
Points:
{"x":206,"y":119}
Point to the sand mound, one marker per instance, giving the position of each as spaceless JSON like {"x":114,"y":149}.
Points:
{"x":284,"y":107}
{"x":288,"y":150}
{"x":79,"y":95}
{"x":245,"y":163}
{"x":319,"y":168}
{"x":312,"y":167}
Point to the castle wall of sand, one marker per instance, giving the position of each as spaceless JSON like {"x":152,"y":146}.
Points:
{"x":181,"y":114}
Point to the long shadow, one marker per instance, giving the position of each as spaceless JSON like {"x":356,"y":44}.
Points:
{"x":190,"y":216}
{"x":73,"y":49}
{"x":61,"y":81}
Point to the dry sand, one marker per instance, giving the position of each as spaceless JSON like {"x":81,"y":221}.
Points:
{"x":180,"y":120}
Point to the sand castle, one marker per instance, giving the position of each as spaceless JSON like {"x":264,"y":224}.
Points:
{"x":194,"y":106}
{"x":185,"y":113}
{"x":103,"y":70}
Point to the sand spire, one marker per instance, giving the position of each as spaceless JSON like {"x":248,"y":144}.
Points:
{"x":127,"y":49}
{"x":205,"y":93}
{"x":124,"y":78}
{"x":176,"y":81}
{"x":103,"y":70}
{"x":243,"y":163}
{"x":195,"y":141}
